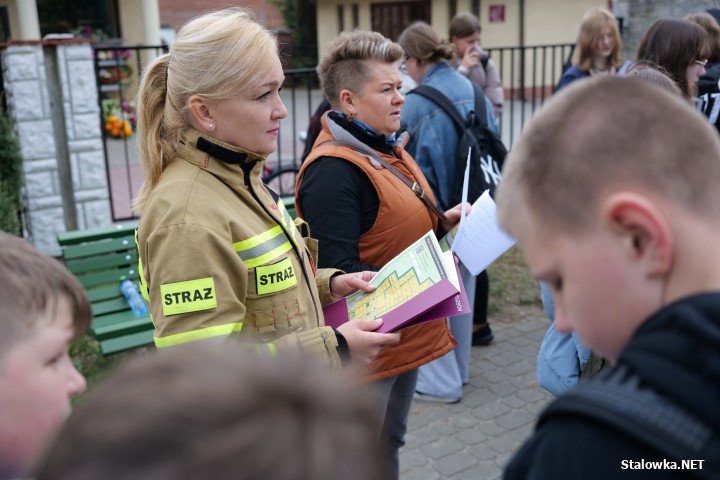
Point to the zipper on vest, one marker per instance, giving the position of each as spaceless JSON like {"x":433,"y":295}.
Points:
{"x":301,"y":255}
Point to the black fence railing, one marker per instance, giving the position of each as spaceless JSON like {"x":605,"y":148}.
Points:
{"x":118,"y":70}
{"x":529,"y":75}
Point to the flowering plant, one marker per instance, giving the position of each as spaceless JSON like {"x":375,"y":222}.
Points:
{"x":119,"y":117}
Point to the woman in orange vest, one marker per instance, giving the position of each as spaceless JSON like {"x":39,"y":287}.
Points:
{"x":354,"y":190}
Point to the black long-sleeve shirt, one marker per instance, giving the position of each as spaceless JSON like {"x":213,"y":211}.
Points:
{"x":340,"y":204}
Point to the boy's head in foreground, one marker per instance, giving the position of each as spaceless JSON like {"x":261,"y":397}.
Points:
{"x":612,"y":192}
{"x":195,"y":413}
{"x":42,"y":308}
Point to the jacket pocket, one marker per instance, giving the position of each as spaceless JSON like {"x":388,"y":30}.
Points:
{"x":274,"y":307}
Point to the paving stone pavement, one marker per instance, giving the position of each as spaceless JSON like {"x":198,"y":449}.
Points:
{"x":475,"y":438}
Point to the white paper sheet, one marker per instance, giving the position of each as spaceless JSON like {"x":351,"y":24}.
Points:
{"x":480,"y":241}
{"x":463,"y":200}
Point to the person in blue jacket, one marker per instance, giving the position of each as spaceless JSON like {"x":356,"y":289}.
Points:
{"x":433,"y":142}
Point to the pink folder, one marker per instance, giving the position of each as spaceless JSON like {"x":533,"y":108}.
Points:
{"x":438,"y":301}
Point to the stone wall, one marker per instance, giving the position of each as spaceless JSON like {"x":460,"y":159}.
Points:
{"x":638,"y":15}
{"x":52,"y":103}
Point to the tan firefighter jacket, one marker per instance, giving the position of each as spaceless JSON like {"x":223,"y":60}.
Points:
{"x":221,"y":259}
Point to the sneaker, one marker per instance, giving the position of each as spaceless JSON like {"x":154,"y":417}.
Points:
{"x":482,"y":337}
{"x":424,"y":397}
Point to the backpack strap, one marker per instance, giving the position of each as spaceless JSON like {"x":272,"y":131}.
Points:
{"x":616,"y":399}
{"x":435,"y":96}
{"x":480,"y":107}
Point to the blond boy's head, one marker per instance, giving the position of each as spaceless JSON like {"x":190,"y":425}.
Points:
{"x":42,"y":308}
{"x":601,"y":191}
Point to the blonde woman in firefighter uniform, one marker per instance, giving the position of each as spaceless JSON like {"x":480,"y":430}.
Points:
{"x":220,"y":258}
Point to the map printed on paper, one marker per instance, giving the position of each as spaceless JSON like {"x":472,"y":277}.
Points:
{"x":416,"y":269}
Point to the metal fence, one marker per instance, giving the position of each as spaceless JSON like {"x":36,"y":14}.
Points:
{"x":529,"y":75}
{"x":118,"y":70}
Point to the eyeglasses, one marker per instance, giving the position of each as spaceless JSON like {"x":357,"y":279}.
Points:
{"x":701,"y":62}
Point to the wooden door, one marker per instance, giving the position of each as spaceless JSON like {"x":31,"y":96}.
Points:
{"x":390,"y":19}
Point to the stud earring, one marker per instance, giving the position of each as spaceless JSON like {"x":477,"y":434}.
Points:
{"x":211,"y":126}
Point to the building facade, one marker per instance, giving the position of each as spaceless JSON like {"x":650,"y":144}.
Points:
{"x":504,"y":22}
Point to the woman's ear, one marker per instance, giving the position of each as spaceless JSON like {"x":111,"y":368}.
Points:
{"x":201,"y":113}
{"x":347,"y":102}
{"x":643,"y":229}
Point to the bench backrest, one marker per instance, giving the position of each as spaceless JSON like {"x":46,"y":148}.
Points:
{"x":102,"y":258}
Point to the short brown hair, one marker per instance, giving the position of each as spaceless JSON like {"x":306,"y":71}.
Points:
{"x":31,"y":283}
{"x":674,"y":44}
{"x":591,"y":27}
{"x":194,"y":412}
{"x":712,"y":29}
{"x":603,"y":133}
{"x":344,"y":66}
{"x":463,"y":25}
{"x":421,"y":41}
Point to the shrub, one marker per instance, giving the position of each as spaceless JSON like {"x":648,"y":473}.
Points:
{"x":10,"y":178}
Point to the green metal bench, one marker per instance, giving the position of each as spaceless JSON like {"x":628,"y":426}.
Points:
{"x":101,"y":258}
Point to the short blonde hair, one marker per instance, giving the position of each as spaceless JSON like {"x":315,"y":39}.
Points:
{"x":344,"y":66}
{"x":216,"y":55}
{"x":603,"y":133}
{"x":591,"y":27}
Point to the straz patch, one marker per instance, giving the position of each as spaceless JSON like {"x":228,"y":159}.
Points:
{"x":275,"y":278}
{"x":189,"y":296}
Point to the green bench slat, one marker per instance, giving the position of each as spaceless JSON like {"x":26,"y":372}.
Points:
{"x":109,"y":306}
{"x":122,"y":328}
{"x":127,"y":342}
{"x":109,"y":276}
{"x":113,"y":318}
{"x":106,"y":292}
{"x":95,"y":234}
{"x":123,"y":244}
{"x":114,"y":260}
